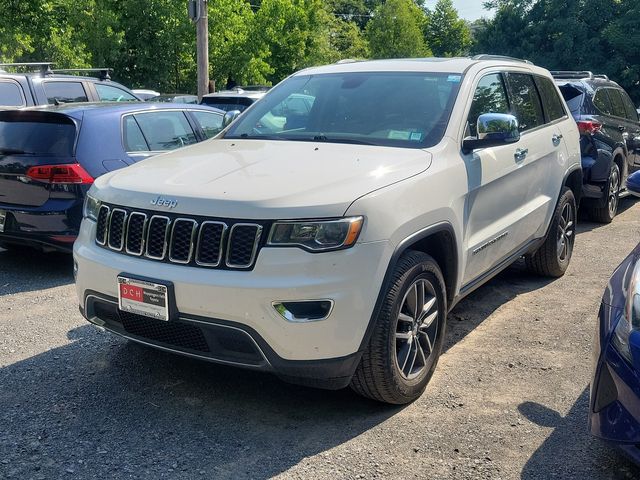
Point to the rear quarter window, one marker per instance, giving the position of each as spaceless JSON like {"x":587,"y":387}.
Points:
{"x":602,"y":102}
{"x":11,"y":94}
{"x":617,"y":102}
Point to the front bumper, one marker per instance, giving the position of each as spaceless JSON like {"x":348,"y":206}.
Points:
{"x":212,"y":299}
{"x":614,"y":407}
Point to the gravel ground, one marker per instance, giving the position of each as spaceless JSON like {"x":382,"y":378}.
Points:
{"x":508,"y":400}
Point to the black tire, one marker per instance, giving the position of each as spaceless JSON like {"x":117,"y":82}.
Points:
{"x":607,"y":213}
{"x":379,"y":375}
{"x":552,"y":259}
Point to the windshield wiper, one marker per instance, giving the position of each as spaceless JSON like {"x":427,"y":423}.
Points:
{"x":14,"y":151}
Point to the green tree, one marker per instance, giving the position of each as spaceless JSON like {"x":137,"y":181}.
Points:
{"x":446,"y":33}
{"x":396,"y":30}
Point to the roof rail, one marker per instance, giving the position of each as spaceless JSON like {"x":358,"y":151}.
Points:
{"x":103,"y":71}
{"x":44,"y":67}
{"x":603,"y":77}
{"x":572,"y":74}
{"x":485,"y":56}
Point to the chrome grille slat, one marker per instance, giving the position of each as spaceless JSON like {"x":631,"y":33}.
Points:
{"x":198,"y":241}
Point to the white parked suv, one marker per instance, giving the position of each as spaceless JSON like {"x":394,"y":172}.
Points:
{"x":327,"y":244}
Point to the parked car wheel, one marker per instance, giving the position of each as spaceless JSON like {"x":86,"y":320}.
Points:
{"x":405,"y":346}
{"x":553,"y":256}
{"x":608,"y":212}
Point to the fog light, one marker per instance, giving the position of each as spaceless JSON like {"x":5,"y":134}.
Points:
{"x":304,"y":310}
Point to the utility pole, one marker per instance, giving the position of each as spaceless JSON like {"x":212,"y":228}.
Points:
{"x":198,"y":13}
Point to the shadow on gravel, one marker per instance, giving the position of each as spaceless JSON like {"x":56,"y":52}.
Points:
{"x":104,"y":408}
{"x":32,"y":270}
{"x":480,"y":304}
{"x":562,"y":455}
{"x":586,"y":225}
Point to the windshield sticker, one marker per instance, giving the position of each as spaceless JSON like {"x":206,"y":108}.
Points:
{"x":454,"y":78}
{"x":415,"y":136}
{"x":398,"y":135}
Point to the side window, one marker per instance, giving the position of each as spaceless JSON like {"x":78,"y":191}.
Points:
{"x":211,"y":123}
{"x":490,"y":97}
{"x":526,"y":102}
{"x":133,"y":139}
{"x":602,"y":103}
{"x":64,"y":92}
{"x":632,"y":113}
{"x":165,"y":130}
{"x":553,"y":108}
{"x":11,"y":95}
{"x":617,"y":103}
{"x":108,"y":93}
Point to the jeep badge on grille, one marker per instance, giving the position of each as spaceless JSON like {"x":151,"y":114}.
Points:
{"x":164,"y":202}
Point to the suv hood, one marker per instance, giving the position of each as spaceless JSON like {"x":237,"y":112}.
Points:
{"x":261,"y":179}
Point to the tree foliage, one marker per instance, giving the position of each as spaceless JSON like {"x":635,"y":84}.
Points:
{"x":447,"y":34}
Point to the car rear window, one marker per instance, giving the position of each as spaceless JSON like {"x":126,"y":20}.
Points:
{"x":11,"y":94}
{"x":228,"y":103}
{"x":37,"y":135}
{"x":573,"y":96}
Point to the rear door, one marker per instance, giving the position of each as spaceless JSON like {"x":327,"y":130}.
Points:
{"x":31,"y":140}
{"x":632,"y":132}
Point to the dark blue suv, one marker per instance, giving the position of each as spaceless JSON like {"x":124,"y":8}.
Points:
{"x":49,"y":157}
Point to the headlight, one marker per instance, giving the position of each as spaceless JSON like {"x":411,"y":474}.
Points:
{"x":91,"y":207}
{"x":316,"y":235}
{"x":630,"y":319}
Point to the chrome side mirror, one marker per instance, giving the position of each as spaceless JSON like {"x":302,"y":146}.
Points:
{"x":229,"y":117}
{"x":493,"y":129}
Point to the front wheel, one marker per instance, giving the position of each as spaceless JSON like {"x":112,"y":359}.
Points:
{"x":407,"y":340}
{"x":554,"y":255}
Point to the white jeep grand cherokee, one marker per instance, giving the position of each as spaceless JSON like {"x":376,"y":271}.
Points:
{"x":326,"y":233}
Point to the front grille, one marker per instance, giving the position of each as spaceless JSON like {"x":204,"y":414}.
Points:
{"x":195,"y":241}
{"x":176,"y":334}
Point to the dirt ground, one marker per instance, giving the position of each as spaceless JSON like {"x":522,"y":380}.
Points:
{"x":509,"y":398}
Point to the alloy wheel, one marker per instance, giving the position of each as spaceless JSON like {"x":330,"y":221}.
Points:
{"x":566,"y":231}
{"x":416,"y":329}
{"x":614,"y":191}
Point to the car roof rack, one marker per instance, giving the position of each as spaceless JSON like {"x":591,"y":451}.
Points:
{"x":603,"y":77}
{"x":485,"y":56}
{"x":104,"y":72}
{"x":43,"y":67}
{"x":578,"y":74}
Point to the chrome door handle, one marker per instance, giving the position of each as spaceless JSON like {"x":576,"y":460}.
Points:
{"x":556,"y":139}
{"x":521,"y":154}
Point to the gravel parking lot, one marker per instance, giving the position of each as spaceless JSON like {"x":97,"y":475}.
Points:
{"x":508,"y":400}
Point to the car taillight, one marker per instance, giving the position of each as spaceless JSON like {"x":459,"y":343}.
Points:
{"x":68,"y":173}
{"x":589,"y":127}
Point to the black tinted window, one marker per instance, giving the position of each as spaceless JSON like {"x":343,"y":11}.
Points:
{"x":551,"y":102}
{"x":526,"y":102}
{"x":617,"y":103}
{"x":489,"y":97}
{"x":47,"y":136}
{"x":65,"y":92}
{"x":133,"y":139}
{"x":602,"y":103}
{"x":165,"y":130}
{"x":632,"y":113}
{"x":11,"y":94}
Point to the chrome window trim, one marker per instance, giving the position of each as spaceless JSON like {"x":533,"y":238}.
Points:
{"x":194,"y":229}
{"x":256,"y":242}
{"x":124,"y":229}
{"x":166,"y":234}
{"x":144,"y":236}
{"x":225,"y":227}
{"x":106,"y":226}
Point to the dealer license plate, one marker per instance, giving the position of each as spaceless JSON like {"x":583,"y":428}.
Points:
{"x":143,"y":298}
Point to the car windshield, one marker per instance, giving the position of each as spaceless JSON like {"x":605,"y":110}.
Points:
{"x":400,"y":109}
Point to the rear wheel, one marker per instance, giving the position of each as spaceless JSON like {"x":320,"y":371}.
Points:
{"x":608,"y":212}
{"x":405,"y":346}
{"x":554,"y":255}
